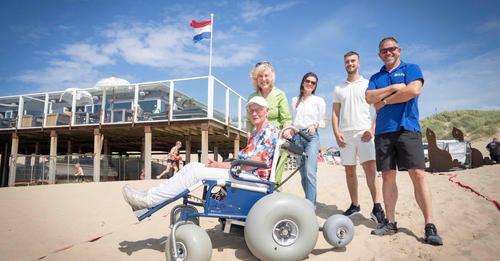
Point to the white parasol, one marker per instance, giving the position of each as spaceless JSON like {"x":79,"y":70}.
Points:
{"x":82,"y":97}
{"x":111,"y":82}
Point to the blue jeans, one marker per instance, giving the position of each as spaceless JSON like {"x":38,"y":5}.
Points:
{"x":308,"y":171}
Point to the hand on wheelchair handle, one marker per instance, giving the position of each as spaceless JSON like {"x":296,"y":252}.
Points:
{"x":304,"y":136}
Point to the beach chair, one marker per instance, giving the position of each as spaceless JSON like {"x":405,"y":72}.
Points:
{"x":277,"y":225}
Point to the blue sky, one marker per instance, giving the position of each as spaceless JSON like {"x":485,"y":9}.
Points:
{"x":52,"y":45}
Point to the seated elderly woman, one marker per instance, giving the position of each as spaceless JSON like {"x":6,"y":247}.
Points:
{"x":260,"y":147}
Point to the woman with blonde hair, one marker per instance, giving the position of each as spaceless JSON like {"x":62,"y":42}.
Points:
{"x":263,"y":77}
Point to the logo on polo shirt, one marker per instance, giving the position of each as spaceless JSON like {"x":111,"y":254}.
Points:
{"x":400,"y":74}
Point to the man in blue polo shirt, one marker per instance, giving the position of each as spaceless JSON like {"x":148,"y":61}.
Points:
{"x":394,"y":92}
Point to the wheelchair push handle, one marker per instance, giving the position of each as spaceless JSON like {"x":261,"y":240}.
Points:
{"x":301,"y":133}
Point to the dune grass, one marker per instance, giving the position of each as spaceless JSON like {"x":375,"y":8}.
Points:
{"x":474,"y":123}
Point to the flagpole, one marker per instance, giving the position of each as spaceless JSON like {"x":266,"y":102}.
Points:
{"x":211,"y":38}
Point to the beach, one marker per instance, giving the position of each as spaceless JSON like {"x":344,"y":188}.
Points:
{"x":91,"y":221}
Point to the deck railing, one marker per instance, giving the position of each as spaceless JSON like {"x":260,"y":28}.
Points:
{"x":204,"y":97}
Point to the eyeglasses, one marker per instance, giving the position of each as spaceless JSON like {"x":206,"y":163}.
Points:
{"x":388,"y":49}
{"x":256,"y":110}
{"x":261,"y":63}
{"x":310,"y":82}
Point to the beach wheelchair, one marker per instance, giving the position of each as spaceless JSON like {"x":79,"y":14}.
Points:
{"x":277,"y":225}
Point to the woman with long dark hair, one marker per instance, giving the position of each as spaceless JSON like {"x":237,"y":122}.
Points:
{"x":309,"y":112}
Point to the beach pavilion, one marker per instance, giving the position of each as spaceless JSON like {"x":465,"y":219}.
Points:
{"x":116,"y":129}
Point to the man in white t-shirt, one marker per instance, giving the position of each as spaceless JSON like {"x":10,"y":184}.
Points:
{"x":354,"y":130}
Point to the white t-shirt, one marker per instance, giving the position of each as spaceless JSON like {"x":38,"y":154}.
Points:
{"x":354,"y":110}
{"x":311,"y":110}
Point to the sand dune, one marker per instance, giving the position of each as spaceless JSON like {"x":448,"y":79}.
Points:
{"x":90,"y":221}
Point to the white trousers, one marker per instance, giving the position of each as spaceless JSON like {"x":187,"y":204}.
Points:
{"x":185,"y":178}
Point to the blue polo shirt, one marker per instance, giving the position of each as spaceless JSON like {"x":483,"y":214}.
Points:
{"x":394,"y":117}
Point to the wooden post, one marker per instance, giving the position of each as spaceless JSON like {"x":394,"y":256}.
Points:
{"x":204,"y":143}
{"x":5,"y":165}
{"x":13,"y":159}
{"x":97,"y":155}
{"x":236,"y":148}
{"x":216,"y":153}
{"x":53,"y":157}
{"x":147,"y":152}
{"x":188,"y":148}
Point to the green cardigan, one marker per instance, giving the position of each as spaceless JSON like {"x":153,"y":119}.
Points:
{"x":279,"y":112}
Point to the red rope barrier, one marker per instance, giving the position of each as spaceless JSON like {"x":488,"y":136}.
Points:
{"x":452,"y":179}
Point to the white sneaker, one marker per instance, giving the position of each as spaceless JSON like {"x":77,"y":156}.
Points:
{"x":136,"y":199}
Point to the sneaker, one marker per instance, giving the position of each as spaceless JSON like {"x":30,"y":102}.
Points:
{"x":431,"y":235}
{"x":352,"y":210}
{"x":386,"y":229}
{"x":136,"y":199}
{"x":378,"y":215}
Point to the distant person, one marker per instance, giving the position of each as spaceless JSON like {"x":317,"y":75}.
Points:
{"x":177,"y":103}
{"x":141,"y":175}
{"x":263,"y":77}
{"x":67,"y":111}
{"x":140,"y":114}
{"x":309,"y":113}
{"x":79,"y":175}
{"x":321,"y":155}
{"x":494,"y":149}
{"x":173,"y":159}
{"x":354,"y":131}
{"x":398,"y":141}
{"x":155,"y":110}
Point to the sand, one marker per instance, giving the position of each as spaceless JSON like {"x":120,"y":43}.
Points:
{"x":90,"y":221}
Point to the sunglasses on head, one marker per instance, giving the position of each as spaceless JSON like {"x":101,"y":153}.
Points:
{"x":261,"y":63}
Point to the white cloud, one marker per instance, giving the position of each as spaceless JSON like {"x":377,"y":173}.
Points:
{"x":469,"y":84}
{"x":61,"y":74}
{"x":488,"y":26}
{"x":252,"y":10}
{"x":86,"y":53}
{"x":161,"y":46}
{"x":426,"y":54}
{"x":29,"y":33}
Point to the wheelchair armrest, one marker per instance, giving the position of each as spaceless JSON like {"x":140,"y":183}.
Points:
{"x":250,"y":163}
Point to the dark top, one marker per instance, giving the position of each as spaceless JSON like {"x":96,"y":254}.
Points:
{"x":494,"y":147}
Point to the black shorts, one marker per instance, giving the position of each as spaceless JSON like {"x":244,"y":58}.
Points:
{"x":402,"y":149}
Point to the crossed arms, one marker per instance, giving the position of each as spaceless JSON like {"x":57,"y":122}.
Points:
{"x":395,"y":93}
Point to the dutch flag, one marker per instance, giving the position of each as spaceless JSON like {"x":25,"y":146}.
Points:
{"x":201,"y":29}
